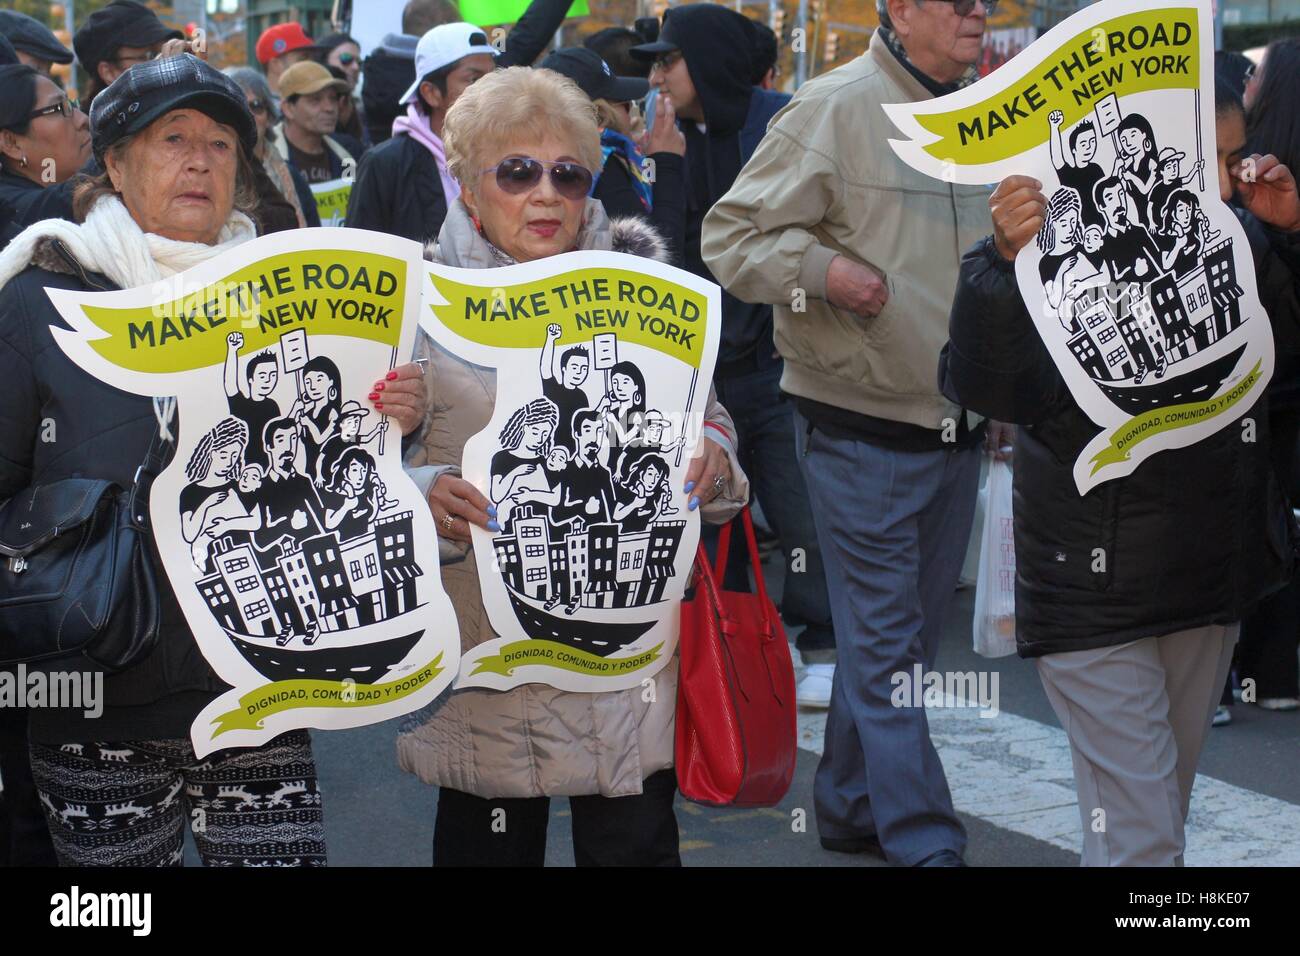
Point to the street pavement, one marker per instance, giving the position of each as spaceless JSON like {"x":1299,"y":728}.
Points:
{"x":1009,"y":774}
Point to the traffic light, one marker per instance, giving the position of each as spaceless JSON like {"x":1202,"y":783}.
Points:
{"x":832,"y":46}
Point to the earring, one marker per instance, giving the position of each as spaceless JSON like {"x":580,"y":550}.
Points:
{"x":23,"y":162}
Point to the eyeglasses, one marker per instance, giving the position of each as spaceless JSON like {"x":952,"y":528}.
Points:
{"x":64,"y":107}
{"x":141,"y":58}
{"x":519,"y":174}
{"x":346,"y":58}
{"x":964,"y":8}
{"x":257,"y":106}
{"x":667,"y":61}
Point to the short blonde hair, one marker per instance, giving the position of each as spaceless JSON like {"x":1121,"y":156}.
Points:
{"x":517,"y":104}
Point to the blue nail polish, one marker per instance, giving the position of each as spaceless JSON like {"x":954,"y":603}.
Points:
{"x":493,"y":526}
{"x":689,"y":486}
{"x":492,"y":510}
{"x":695,"y":503}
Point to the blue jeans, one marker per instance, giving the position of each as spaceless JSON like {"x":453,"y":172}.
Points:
{"x":766,"y":449}
{"x":894,"y":528}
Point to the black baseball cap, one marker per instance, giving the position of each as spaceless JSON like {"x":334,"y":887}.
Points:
{"x":593,"y":75}
{"x":148,"y":90}
{"x":33,"y":37}
{"x":121,"y":23}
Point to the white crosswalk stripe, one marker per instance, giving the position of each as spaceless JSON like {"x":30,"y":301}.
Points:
{"x":1016,"y":774}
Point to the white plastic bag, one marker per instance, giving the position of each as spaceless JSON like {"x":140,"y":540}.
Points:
{"x":995,"y":588}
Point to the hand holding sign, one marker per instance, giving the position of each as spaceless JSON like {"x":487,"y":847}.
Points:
{"x":1267,"y":188}
{"x":1018,"y":206}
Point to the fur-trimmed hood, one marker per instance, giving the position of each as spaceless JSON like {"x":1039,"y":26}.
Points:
{"x":460,"y":244}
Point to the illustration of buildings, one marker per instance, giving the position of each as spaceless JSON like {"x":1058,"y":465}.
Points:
{"x":606,"y":568}
{"x":325,"y":565}
{"x":238,"y":571}
{"x":325,"y":583}
{"x":294,"y":568}
{"x":1190,"y":312}
{"x":360,"y":557}
{"x":1098,"y":345}
{"x":397,"y":563}
{"x":1225,"y":293}
{"x":282,"y":599}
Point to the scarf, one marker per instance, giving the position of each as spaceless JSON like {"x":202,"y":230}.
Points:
{"x":934,"y":86}
{"x":110,"y":242}
{"x":416,"y":125}
{"x":613,"y":142}
{"x":278,"y":170}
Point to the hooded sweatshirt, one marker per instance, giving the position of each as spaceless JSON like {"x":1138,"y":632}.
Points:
{"x":715,"y":42}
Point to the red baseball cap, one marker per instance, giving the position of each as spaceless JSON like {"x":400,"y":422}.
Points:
{"x":282,"y":38}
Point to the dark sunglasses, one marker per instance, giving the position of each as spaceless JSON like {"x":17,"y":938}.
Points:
{"x":257,"y":106}
{"x":64,"y":107}
{"x":519,"y":174}
{"x":964,"y":8}
{"x":346,"y":58}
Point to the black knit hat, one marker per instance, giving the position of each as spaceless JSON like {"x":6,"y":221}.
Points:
{"x":148,"y":90}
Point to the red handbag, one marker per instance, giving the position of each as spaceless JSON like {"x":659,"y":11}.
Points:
{"x":736,"y":731}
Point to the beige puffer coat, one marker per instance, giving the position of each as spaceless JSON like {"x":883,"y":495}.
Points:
{"x":533,"y":740}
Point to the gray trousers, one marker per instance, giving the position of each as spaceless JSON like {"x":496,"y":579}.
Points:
{"x":1137,"y":715}
{"x":893,"y":528}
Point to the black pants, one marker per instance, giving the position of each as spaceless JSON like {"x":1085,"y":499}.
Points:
{"x":1270,"y":635}
{"x":607,"y":831}
{"x":24,"y":837}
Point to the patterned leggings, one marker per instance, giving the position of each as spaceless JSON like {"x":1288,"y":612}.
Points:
{"x":126,"y":804}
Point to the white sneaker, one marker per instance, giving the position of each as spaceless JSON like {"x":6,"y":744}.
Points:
{"x":815,"y":688}
{"x":1279,"y":703}
{"x":1222,"y":716}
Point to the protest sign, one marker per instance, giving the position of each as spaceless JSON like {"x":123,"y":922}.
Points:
{"x":1141,"y":283}
{"x":303,"y":557}
{"x":603,"y":365}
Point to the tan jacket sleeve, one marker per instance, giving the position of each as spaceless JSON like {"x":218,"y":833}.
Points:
{"x":758,"y":238}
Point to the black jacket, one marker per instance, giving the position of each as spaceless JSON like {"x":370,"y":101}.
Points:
{"x":1194,"y":536}
{"x":618,"y":195}
{"x":32,"y":202}
{"x":715,"y":43}
{"x":103,"y":433}
{"x":398,"y":191}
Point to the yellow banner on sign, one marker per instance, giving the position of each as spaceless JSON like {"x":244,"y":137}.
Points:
{"x":1150,"y":50}
{"x":642,"y":309}
{"x":327,"y":292}
{"x":332,"y":201}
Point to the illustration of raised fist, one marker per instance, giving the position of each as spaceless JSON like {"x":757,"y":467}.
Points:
{"x":553,"y":330}
{"x":235,"y":340}
{"x":1056,"y":117}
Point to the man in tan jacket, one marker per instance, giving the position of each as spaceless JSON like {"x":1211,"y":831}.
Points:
{"x":859,"y":255}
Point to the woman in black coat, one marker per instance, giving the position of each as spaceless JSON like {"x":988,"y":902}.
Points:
{"x":1129,"y":596}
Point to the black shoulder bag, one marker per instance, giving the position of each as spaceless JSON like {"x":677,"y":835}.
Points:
{"x":77,"y":582}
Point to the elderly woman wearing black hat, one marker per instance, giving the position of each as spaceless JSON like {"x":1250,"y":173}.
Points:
{"x":44,"y":142}
{"x":171,"y":135}
{"x":628,"y":185}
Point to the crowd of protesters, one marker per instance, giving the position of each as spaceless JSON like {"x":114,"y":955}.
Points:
{"x":873,"y":349}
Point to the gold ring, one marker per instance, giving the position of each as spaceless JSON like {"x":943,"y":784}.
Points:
{"x":448,"y":521}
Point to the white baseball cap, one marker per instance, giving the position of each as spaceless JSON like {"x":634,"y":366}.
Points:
{"x":442,"y":46}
